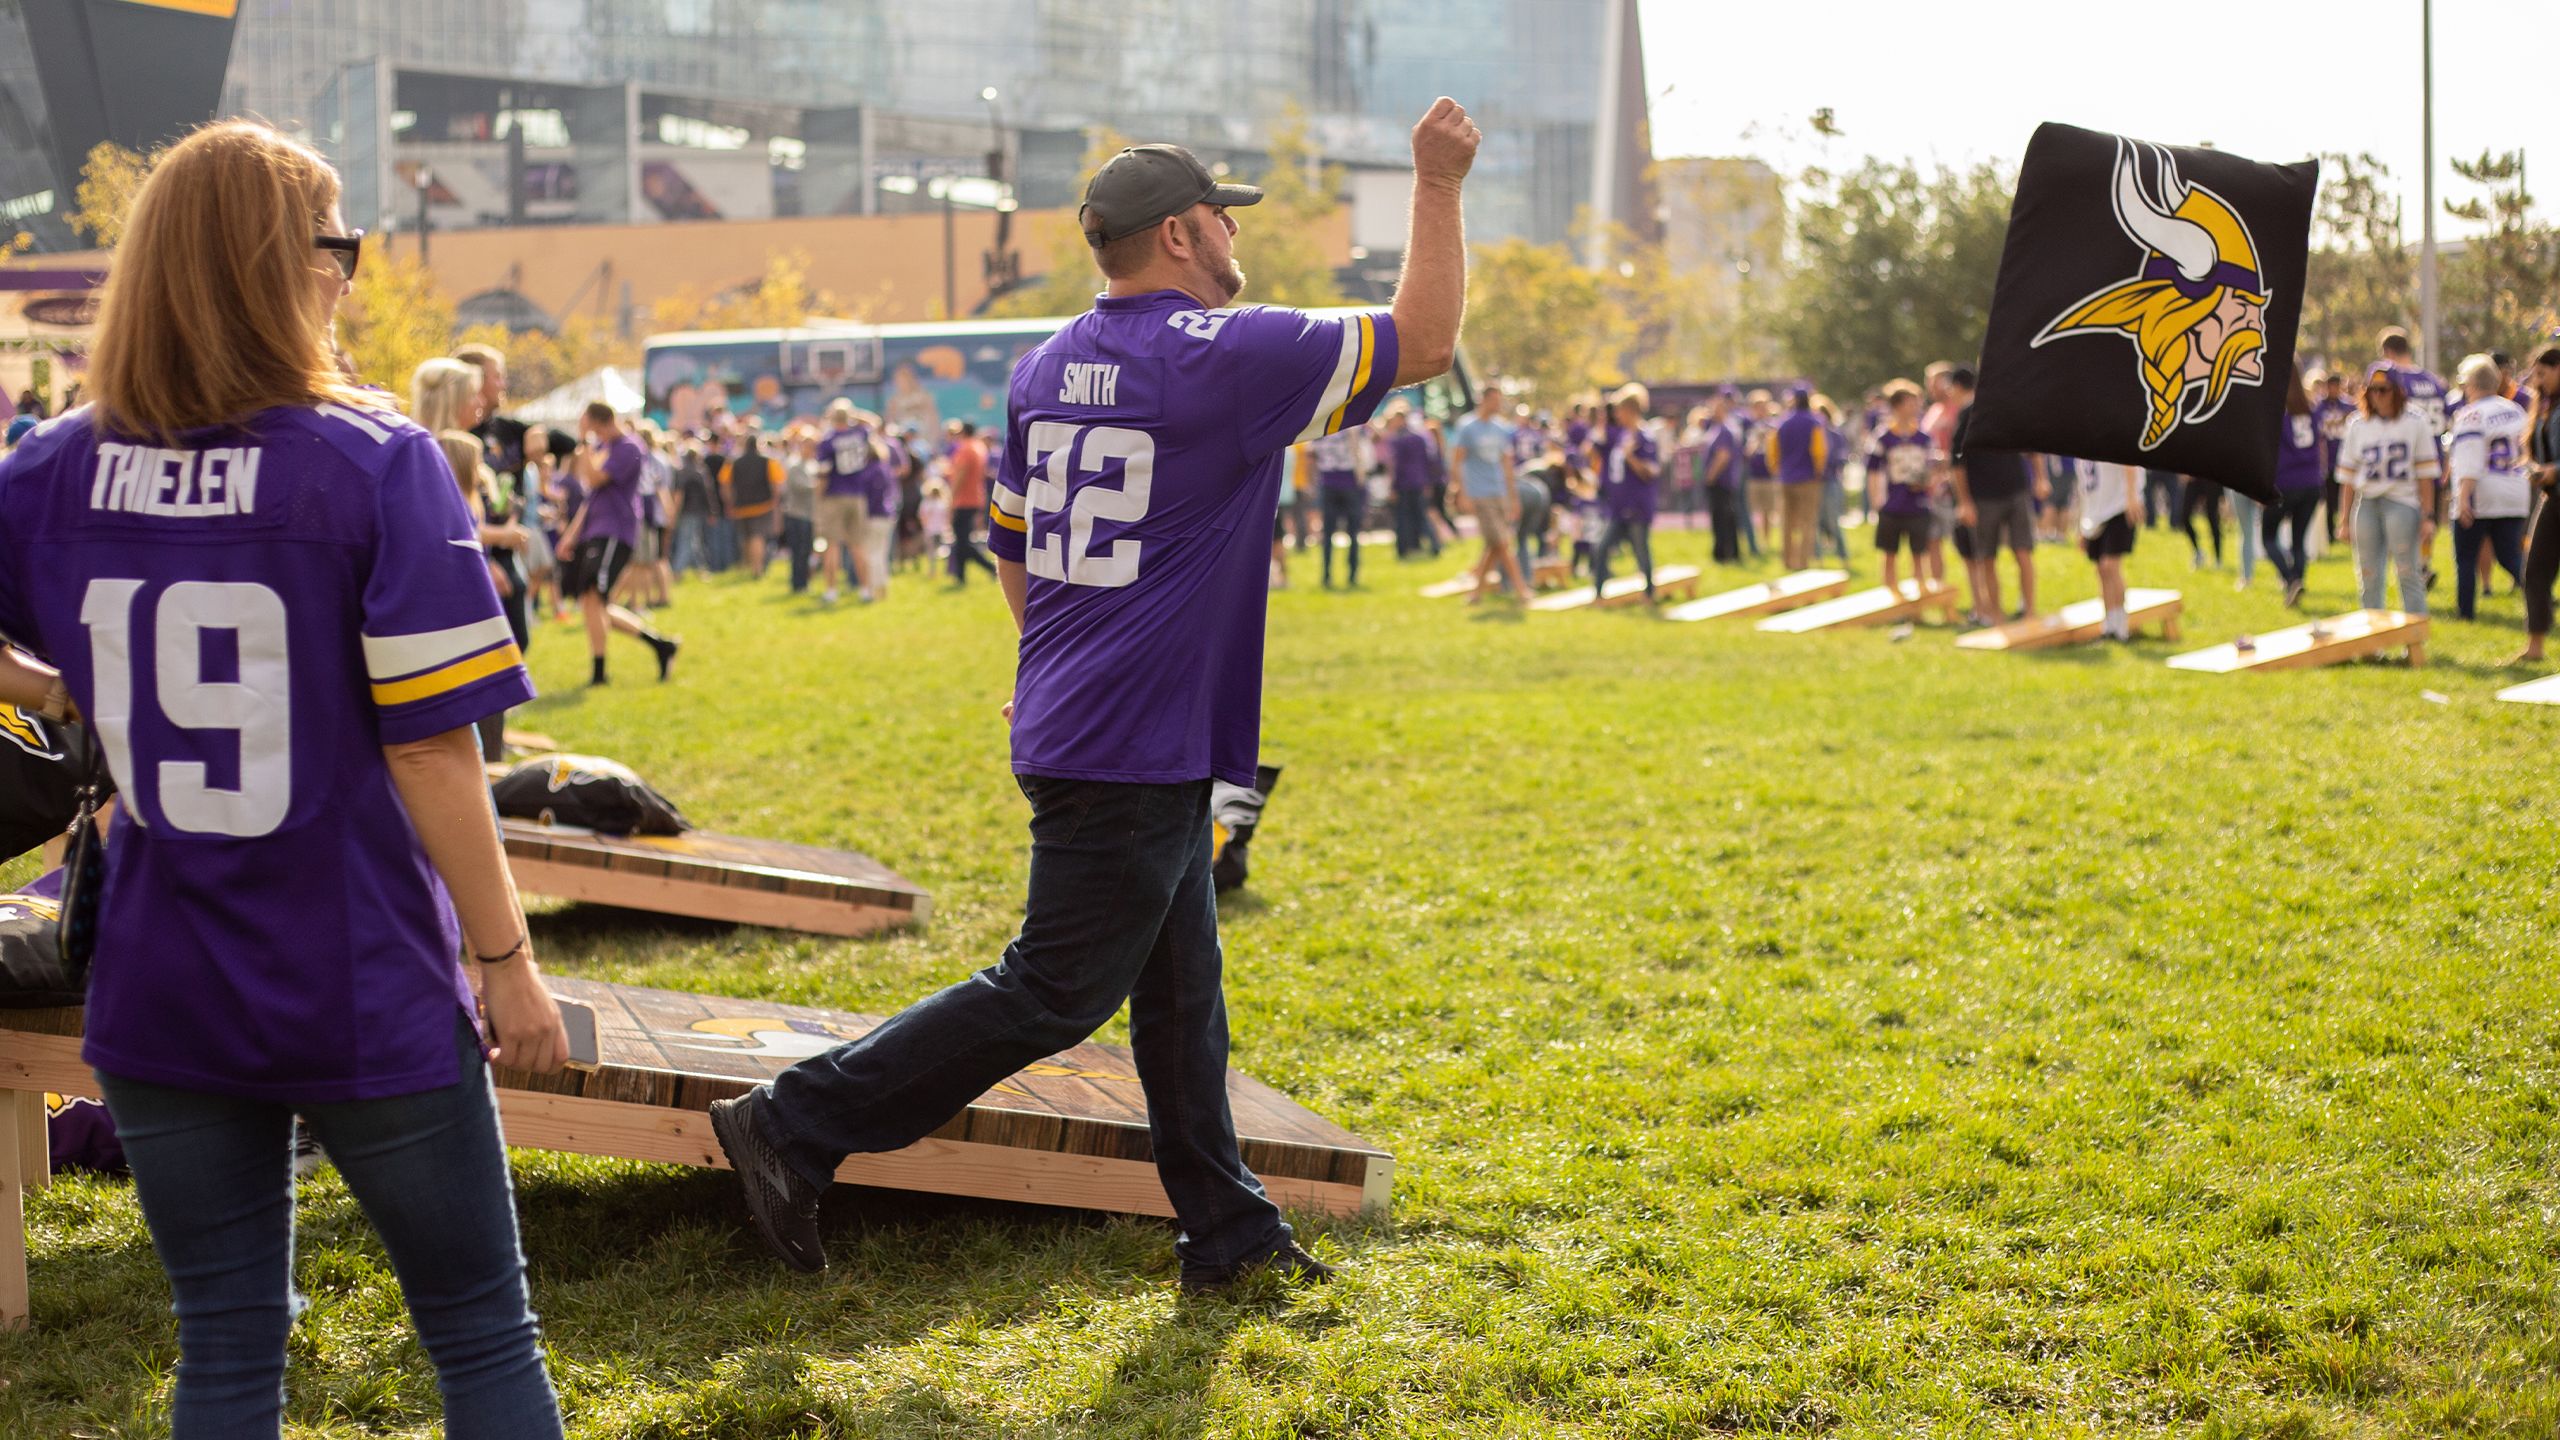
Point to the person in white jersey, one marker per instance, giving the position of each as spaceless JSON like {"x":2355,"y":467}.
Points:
{"x":2388,"y":458}
{"x":2110,"y":514}
{"x":2486,"y":461}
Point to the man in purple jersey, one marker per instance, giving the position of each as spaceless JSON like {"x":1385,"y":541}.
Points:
{"x":600,"y":541}
{"x":1141,"y":473}
{"x":1337,"y":464}
{"x":854,"y":460}
{"x":1413,"y":464}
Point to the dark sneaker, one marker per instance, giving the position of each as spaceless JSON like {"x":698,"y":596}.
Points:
{"x":1288,"y":1266}
{"x":666,"y":654}
{"x":784,"y":1205}
{"x":308,"y":1157}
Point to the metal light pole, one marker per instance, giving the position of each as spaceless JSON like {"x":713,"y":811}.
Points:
{"x":2427,"y":189}
{"x":1003,"y":267}
{"x":950,"y":272}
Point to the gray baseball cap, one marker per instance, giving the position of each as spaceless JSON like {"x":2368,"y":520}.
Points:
{"x":1144,"y":184}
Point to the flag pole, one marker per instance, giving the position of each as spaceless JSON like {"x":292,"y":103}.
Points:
{"x":2427,"y":187}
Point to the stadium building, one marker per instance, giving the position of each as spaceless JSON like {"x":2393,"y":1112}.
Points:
{"x":491,"y":113}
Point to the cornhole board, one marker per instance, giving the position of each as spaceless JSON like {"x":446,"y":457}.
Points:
{"x":2351,"y":636}
{"x":1069,"y":1131}
{"x":1879,"y":606}
{"x":2080,"y":622}
{"x":711,"y":876}
{"x":1787,"y":592}
{"x":1680,"y":581}
{"x":1551,"y":572}
{"x":2545,"y":691}
{"x":1451,"y":588}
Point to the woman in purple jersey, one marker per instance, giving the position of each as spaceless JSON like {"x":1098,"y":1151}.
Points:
{"x":270,"y":596}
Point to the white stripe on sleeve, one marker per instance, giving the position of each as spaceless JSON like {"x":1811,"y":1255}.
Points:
{"x":388,"y":657}
{"x":1337,"y":391}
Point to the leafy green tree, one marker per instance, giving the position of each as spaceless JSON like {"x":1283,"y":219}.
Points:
{"x":2362,"y":275}
{"x":1893,"y":269}
{"x":2499,"y":292}
{"x":394,"y":321}
{"x":1282,"y":247}
{"x":1538,"y":316}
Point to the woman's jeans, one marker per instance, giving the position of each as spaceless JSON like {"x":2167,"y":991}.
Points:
{"x":2293,"y":512}
{"x":1636,"y":534}
{"x":693,"y":543}
{"x":215,"y":1178}
{"x":2387,"y":533}
{"x":2505,"y":535}
{"x":2245,"y":518}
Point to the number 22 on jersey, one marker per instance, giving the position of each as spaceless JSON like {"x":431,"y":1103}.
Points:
{"x":1059,"y":454}
{"x":257,"y":707}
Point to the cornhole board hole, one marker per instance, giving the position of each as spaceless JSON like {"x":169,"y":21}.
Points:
{"x":2080,"y":622}
{"x":1451,"y":588}
{"x":711,"y":876}
{"x":1679,"y":581}
{"x":2545,"y":691}
{"x":1787,"y":592}
{"x":2351,"y":636}
{"x":1879,"y":606}
{"x":1069,"y":1131}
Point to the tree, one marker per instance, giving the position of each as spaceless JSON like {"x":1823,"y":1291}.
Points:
{"x":1893,"y":270}
{"x":395,"y":321}
{"x":109,"y":179}
{"x":2499,"y":292}
{"x":1537,"y":316}
{"x":779,"y":298}
{"x":1283,"y":255}
{"x":538,"y":362}
{"x":1069,"y":285}
{"x":2361,"y":275}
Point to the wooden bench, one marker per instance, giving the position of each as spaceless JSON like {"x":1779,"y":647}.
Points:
{"x":1070,"y":1131}
{"x":1880,"y":606}
{"x":1680,"y":581}
{"x":2351,"y":636}
{"x":2080,"y":622}
{"x":710,"y":876}
{"x":1787,"y":592}
{"x":2545,"y":691}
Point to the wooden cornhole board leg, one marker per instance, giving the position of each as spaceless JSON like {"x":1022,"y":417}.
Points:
{"x":14,"y":1177}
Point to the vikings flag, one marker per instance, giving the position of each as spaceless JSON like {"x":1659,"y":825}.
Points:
{"x":2146,"y":307}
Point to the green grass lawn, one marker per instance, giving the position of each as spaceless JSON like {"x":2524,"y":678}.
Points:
{"x":1802,"y":1035}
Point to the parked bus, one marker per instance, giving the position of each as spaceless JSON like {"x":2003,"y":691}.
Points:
{"x":921,"y":374}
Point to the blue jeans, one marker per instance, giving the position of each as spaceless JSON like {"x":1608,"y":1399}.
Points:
{"x":693,"y":544}
{"x":2505,"y":535}
{"x":1120,"y":908}
{"x":1835,"y":498}
{"x":2294,"y":511}
{"x":1342,"y":513}
{"x":2246,"y":518}
{"x":215,"y":1178}
{"x":2387,"y":533}
{"x":799,"y":537}
{"x":1413,"y":524}
{"x":1636,"y":534}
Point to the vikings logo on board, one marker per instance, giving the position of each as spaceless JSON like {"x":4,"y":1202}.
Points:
{"x":778,"y":1038}
{"x":27,"y":733}
{"x":2195,"y":308}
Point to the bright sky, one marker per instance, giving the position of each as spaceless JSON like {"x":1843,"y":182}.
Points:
{"x":2270,"y":79}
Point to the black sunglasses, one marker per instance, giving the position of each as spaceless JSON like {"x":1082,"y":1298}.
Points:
{"x":345,"y":249}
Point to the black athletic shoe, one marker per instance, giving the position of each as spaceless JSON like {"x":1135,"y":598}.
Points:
{"x":784,"y":1205}
{"x":1289,"y":1265}
{"x":666,"y":654}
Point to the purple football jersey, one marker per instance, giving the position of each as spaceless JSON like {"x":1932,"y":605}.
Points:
{"x":248,"y":618}
{"x":1623,"y":492}
{"x":850,"y":461}
{"x":613,"y":505}
{"x":1416,"y":467}
{"x":1141,"y":476}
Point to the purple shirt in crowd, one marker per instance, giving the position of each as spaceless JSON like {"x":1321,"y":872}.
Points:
{"x":850,"y":462}
{"x":1624,"y":493}
{"x":1410,"y":453}
{"x":1337,"y":462}
{"x":1140,"y":480}
{"x":1800,"y":436}
{"x":613,"y":505}
{"x":249,"y":615}
{"x":1905,"y":462}
{"x":2299,"y":451}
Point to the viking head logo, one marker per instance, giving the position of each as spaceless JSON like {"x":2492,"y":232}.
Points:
{"x":2196,"y":309}
{"x":25,"y":731}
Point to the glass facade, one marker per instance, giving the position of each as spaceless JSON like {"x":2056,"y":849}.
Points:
{"x":1211,"y":73}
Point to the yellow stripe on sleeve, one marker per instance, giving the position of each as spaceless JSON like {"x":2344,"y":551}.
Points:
{"x":451,"y":677}
{"x":1007,"y":521}
{"x":1359,"y":377}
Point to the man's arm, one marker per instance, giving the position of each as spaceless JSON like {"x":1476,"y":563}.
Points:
{"x":1431,"y":297}
{"x":1016,"y":584}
